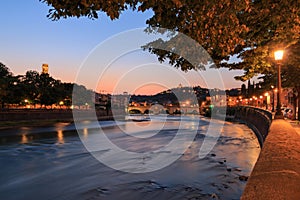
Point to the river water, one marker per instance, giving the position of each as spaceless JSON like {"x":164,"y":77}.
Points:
{"x":52,"y":163}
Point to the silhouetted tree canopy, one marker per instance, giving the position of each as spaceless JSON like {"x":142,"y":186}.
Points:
{"x":251,"y":29}
{"x":38,"y":88}
{"x":5,"y":83}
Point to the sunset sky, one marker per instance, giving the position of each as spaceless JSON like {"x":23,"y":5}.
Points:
{"x":29,"y":39}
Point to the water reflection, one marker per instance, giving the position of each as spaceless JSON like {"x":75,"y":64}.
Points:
{"x":26,"y":135}
{"x":24,"y":139}
{"x":85,"y":133}
{"x":60,"y":137}
{"x":54,"y":161}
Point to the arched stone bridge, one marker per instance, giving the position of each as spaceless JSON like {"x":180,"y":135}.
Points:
{"x":156,"y":109}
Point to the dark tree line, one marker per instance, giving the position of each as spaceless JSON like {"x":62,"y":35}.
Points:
{"x":38,"y":89}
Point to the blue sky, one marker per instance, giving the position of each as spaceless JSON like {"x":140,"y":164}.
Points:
{"x":29,"y":39}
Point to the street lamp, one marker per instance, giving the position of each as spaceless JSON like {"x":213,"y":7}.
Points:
{"x":260,"y":101}
{"x":278,"y":57}
{"x":267,"y":99}
{"x":273,"y":98}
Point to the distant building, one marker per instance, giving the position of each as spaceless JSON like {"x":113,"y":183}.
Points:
{"x":251,"y":89}
{"x":45,"y":69}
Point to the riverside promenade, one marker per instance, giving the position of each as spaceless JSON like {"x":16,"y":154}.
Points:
{"x":276,"y":174}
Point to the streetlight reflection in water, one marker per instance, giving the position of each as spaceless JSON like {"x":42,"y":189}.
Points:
{"x":24,"y":139}
{"x":60,"y":137}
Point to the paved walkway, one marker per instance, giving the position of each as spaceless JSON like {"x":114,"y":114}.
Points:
{"x":276,"y":174}
{"x":296,"y":125}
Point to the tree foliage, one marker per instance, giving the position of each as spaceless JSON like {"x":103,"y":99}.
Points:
{"x":4,"y":83}
{"x":290,"y":73}
{"x":36,"y":89}
{"x":82,"y":96}
{"x":252,"y":29}
{"x":290,"y":69}
{"x":31,"y":84}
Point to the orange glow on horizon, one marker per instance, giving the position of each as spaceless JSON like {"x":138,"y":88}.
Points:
{"x":150,"y":89}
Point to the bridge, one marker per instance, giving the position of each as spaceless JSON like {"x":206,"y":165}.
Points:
{"x":157,"y":109}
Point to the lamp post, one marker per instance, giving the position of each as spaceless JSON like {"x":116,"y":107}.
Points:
{"x":273,"y":98}
{"x":261,"y":101}
{"x":267,"y":99}
{"x":278,"y":57}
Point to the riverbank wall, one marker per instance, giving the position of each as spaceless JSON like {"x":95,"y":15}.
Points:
{"x":55,"y":114}
{"x":257,"y":119}
{"x":276,"y":174}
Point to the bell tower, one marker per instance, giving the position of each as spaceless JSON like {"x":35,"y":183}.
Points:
{"x":45,"y":69}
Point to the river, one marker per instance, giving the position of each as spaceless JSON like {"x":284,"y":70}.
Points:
{"x":52,"y":163}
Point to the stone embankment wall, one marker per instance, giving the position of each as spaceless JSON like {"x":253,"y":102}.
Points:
{"x":276,"y":174}
{"x":258,"y":120}
{"x":39,"y":114}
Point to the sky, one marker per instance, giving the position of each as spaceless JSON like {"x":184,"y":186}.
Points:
{"x":77,"y":50}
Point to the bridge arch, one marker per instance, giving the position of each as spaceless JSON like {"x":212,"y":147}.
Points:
{"x":135,"y":111}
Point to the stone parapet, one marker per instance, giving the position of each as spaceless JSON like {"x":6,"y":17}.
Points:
{"x":276,"y":174}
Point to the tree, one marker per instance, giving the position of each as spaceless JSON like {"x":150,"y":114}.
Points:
{"x":251,"y":29}
{"x":291,"y":79}
{"x":35,"y":88}
{"x":5,"y":83}
{"x":290,"y":74}
{"x":64,"y":93}
{"x":31,"y":86}
{"x":293,"y":74}
{"x":82,"y":96}
{"x":244,"y":90}
{"x":40,"y":88}
{"x":4,"y":71}
{"x":47,"y":88}
{"x":16,"y":92}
